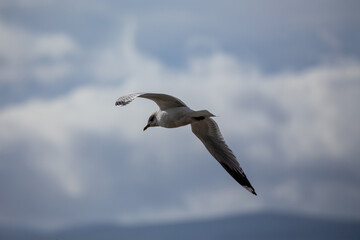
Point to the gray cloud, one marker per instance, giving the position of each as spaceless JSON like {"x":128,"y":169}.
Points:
{"x":72,"y":157}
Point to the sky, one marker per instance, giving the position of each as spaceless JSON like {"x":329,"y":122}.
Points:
{"x":282,"y":77}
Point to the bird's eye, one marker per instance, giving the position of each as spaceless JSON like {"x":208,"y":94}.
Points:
{"x":151,"y":118}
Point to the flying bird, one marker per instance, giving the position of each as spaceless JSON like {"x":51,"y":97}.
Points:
{"x":174,"y":113}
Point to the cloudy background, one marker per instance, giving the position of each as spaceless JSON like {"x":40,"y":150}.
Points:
{"x":283,"y":77}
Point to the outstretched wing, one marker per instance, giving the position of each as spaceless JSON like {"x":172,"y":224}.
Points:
{"x":164,"y":101}
{"x":209,"y":133}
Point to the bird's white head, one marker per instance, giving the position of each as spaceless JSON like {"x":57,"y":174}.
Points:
{"x":152,"y":122}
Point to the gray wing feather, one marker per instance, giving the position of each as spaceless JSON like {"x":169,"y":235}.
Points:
{"x":164,"y":101}
{"x":209,"y":133}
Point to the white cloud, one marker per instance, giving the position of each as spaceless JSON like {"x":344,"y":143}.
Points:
{"x":123,"y":60}
{"x":54,"y":46}
{"x":29,"y":55}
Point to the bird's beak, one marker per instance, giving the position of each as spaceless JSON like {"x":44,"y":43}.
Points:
{"x":146,"y":127}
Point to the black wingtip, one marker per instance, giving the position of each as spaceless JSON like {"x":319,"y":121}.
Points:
{"x":240,"y":177}
{"x":250,"y":189}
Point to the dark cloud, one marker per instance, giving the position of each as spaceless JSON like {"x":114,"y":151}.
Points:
{"x":286,"y":110}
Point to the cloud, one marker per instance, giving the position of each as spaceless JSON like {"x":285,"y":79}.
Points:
{"x":123,"y":60}
{"x":289,"y":129}
{"x":194,"y":205}
{"x":34,"y":56}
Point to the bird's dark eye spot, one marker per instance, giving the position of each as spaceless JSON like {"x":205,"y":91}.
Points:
{"x":151,"y":118}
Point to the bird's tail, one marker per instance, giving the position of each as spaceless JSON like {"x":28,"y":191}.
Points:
{"x":202,"y":114}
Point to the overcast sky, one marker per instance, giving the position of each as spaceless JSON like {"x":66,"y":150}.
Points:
{"x":283,"y":77}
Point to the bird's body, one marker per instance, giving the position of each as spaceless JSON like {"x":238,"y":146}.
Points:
{"x":174,"y":117}
{"x":174,"y":113}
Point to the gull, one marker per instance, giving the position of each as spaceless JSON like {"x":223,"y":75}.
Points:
{"x":174,"y":113}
